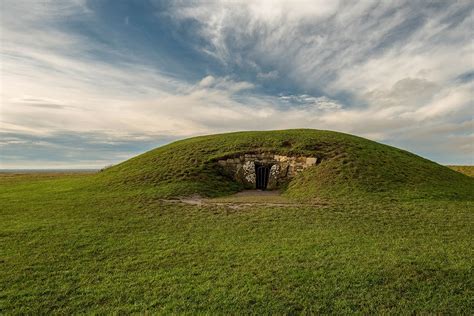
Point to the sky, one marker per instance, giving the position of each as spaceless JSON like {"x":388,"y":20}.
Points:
{"x":87,"y":84}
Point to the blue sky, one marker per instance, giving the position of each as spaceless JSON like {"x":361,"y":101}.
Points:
{"x":86,"y":84}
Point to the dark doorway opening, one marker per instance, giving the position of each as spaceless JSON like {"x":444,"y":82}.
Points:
{"x":262,"y":173}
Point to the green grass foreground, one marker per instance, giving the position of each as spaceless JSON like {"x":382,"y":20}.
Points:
{"x":69,"y":246}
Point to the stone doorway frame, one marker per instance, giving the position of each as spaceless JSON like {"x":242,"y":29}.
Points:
{"x":242,"y":167}
{"x":262,"y":174}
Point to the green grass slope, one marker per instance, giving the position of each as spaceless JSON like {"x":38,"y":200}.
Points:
{"x":350,"y":165}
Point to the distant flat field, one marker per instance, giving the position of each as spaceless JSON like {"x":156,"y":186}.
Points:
{"x":467,"y":170}
{"x":68,"y":247}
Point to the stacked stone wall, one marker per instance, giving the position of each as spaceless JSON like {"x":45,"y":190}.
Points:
{"x":282,"y":168}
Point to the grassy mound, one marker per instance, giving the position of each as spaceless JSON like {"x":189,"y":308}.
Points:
{"x":350,"y":165}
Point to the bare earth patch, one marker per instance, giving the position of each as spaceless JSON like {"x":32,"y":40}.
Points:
{"x":246,"y":198}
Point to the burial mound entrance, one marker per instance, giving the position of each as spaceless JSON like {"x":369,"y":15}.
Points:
{"x":264,"y":170}
{"x":262,"y":175}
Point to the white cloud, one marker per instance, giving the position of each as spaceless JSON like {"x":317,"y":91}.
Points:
{"x":402,"y":91}
{"x":271,"y":75}
{"x":396,"y":61}
{"x":224,"y":83}
{"x":308,"y":101}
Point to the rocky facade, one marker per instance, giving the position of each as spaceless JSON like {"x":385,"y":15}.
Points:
{"x":243,"y":167}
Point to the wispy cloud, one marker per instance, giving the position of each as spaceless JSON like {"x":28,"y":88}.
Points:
{"x":72,"y":83}
{"x":393,"y":65}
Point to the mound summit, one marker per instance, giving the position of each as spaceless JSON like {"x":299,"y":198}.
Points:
{"x":303,"y":163}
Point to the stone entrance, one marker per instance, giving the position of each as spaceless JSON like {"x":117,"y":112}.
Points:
{"x":262,"y":175}
{"x":277,"y":169}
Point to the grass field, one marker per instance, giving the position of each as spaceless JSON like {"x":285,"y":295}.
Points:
{"x":371,"y":229}
{"x":68,"y":246}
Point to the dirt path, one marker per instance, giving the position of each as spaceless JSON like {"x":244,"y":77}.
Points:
{"x":244,"y":199}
